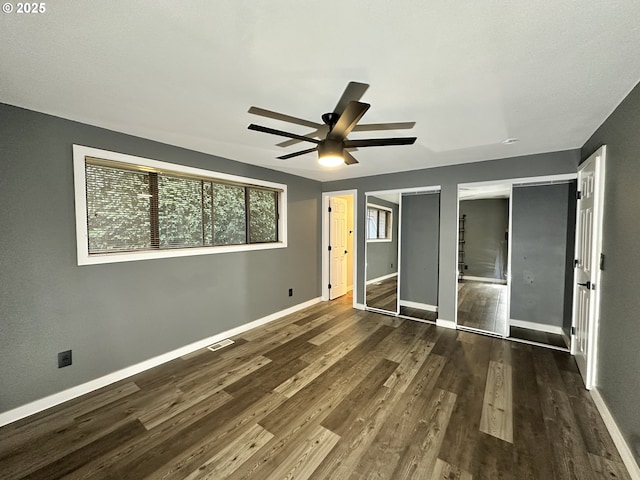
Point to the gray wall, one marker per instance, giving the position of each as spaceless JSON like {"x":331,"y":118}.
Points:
{"x":448,"y":178}
{"x":539,"y":245}
{"x":485,"y":247}
{"x":382,"y":257}
{"x":420,"y":228}
{"x":117,"y":315}
{"x":619,"y":345}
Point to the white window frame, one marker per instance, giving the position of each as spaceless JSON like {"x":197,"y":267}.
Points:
{"x":82,"y":234}
{"x":390,"y":228}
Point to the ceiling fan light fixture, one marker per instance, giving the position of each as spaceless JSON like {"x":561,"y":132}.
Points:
{"x":330,"y":153}
{"x":331,"y":160}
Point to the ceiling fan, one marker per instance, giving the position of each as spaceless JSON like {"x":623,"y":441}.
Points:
{"x":332,"y":144}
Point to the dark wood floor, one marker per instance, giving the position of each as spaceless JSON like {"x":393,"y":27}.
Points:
{"x":544,"y":338}
{"x":482,"y":305}
{"x":330,"y":393}
{"x":383,"y":295}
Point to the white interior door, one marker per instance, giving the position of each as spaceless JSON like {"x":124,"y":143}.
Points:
{"x":338,"y":247}
{"x":587,"y":271}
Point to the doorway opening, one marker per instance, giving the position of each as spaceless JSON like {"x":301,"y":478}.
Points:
{"x":339,"y":247}
{"x":483,"y":258}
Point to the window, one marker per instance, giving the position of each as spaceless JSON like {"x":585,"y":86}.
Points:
{"x":130,"y":208}
{"x":379,"y":223}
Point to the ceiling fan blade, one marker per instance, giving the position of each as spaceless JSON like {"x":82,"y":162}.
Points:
{"x":370,"y":127}
{"x":273,"y":131}
{"x":296,"y":154}
{"x":379,"y":142}
{"x":352,"y":93}
{"x":283,"y":118}
{"x":348,"y":158}
{"x":351,"y":115}
{"x":319,"y":133}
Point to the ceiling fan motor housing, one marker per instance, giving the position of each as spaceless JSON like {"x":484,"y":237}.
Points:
{"x":330,"y":147}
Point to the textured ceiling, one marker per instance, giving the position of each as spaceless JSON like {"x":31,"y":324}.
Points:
{"x":470,"y":73}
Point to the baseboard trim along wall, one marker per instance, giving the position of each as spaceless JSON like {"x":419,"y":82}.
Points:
{"x":483,"y":279}
{"x":540,"y":327}
{"x":616,"y":435}
{"x":418,"y":305}
{"x":445,"y":323}
{"x":380,"y":279}
{"x":71,"y":393}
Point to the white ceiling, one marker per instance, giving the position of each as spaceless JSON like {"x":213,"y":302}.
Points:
{"x":470,"y":73}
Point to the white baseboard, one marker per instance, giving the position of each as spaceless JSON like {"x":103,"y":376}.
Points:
{"x":540,"y":327}
{"x":483,"y":279}
{"x":380,"y":279}
{"x":445,"y":323}
{"x":616,"y":435}
{"x":360,"y":306}
{"x":73,"y":392}
{"x":420,"y":306}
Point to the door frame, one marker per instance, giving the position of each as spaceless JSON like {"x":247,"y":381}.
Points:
{"x":326,"y":196}
{"x":599,"y":158}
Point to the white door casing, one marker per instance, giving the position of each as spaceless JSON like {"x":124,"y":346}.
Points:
{"x":338,"y":243}
{"x":586,"y":295}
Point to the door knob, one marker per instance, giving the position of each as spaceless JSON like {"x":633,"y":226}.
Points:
{"x":586,"y":284}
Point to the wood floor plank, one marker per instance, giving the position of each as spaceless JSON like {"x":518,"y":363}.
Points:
{"x":419,"y":460}
{"x":305,"y":458}
{"x":608,"y":468}
{"x":77,"y":458}
{"x":532,"y":450}
{"x":385,"y":451}
{"x":497,"y":414}
{"x":492,"y":458}
{"x":357,"y":434}
{"x":465,"y":374}
{"x":224,"y":462}
{"x":409,"y":363}
{"x":336,"y":329}
{"x":349,"y":338}
{"x":21,"y":434}
{"x":329,"y":388}
{"x":569,"y":454}
{"x":592,"y":428}
{"x":445,"y":471}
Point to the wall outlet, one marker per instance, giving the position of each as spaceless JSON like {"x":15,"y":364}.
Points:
{"x":291,"y":292}
{"x":64,"y":359}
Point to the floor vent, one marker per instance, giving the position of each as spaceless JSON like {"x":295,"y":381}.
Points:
{"x":220,"y":344}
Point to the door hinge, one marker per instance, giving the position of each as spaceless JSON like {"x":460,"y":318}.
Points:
{"x":602,"y":261}
{"x":578,"y":195}
{"x":329,"y":210}
{"x":329,"y":248}
{"x":576,"y":262}
{"x":573,"y":330}
{"x":329,"y":286}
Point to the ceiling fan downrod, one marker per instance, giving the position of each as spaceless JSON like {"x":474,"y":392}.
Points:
{"x":330,"y":119}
